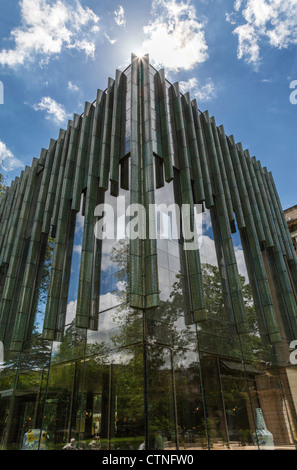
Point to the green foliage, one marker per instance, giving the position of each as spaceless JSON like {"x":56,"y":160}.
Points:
{"x":2,"y":183}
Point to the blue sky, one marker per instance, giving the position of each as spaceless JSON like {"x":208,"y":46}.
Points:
{"x":238,"y":58}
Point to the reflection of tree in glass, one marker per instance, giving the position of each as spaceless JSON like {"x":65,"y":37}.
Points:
{"x":45,"y":273}
{"x":2,"y":184}
{"x":220,"y":325}
{"x":36,"y":352}
{"x":120,"y":258}
{"x":165,"y":326}
{"x":158,"y":334}
{"x":170,"y":312}
{"x":165,"y":337}
{"x":167,"y":314}
{"x":74,"y":344}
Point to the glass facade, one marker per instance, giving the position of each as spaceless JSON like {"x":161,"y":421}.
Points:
{"x":108,"y":361}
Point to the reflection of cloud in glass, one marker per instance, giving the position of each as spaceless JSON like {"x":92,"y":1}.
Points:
{"x":241,"y":262}
{"x":207,"y":251}
{"x":71,"y":311}
{"x":203,"y":224}
{"x":106,"y":262}
{"x":79,"y":223}
{"x":206,"y":221}
{"x":114,"y":297}
{"x":77,"y":249}
{"x":208,"y":255}
{"x":55,"y":348}
{"x":107,"y":301}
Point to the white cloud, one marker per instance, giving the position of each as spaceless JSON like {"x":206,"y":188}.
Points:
{"x":112,"y":41}
{"x":230,"y":18}
{"x":54,"y":111}
{"x":8,"y":162}
{"x":176,"y":38}
{"x":119,"y":16}
{"x":204,"y":92}
{"x":266,"y":21}
{"x":72,"y":87}
{"x":47,"y":28}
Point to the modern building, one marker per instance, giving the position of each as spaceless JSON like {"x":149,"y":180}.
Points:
{"x":291,"y":218}
{"x":147,"y":334}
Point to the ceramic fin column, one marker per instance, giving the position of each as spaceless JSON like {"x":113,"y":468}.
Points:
{"x":10,"y":227}
{"x":250,"y":205}
{"x":9,"y":235}
{"x":225,"y":182}
{"x":150,"y":244}
{"x":277,"y":250}
{"x":136,"y":274}
{"x":84,"y":312}
{"x":225,"y":230}
{"x":192,"y":255}
{"x":258,"y":195}
{"x":55,"y":313}
{"x":198,"y":187}
{"x":82,"y":157}
{"x":104,"y":163}
{"x":120,"y":87}
{"x":3,"y":196}
{"x":52,"y":188}
{"x":260,"y":273}
{"x":24,"y":309}
{"x":59,"y":184}
{"x":8,"y":295}
{"x":231,"y":178}
{"x":162,"y":112}
{"x":292,"y":260}
{"x":278,"y":253}
{"x":253,"y":239}
{"x":6,"y":213}
{"x":208,"y":189}
{"x":6,"y":250}
{"x":274,"y":221}
{"x":286,"y":243}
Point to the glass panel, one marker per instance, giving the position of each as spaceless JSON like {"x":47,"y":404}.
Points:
{"x":114,"y":381}
{"x":127,"y":424}
{"x":17,"y":290}
{"x":4,"y":418}
{"x":189,"y":398}
{"x":226,"y":401}
{"x":61,"y":410}
{"x":175,"y":416}
{"x":215,"y":421}
{"x":272,"y":412}
{"x":162,"y":430}
{"x":114,"y":267}
{"x":236,"y":400}
{"x":40,"y":295}
{"x":75,"y":264}
{"x":218,"y":334}
{"x":58,"y":412}
{"x":24,"y":399}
